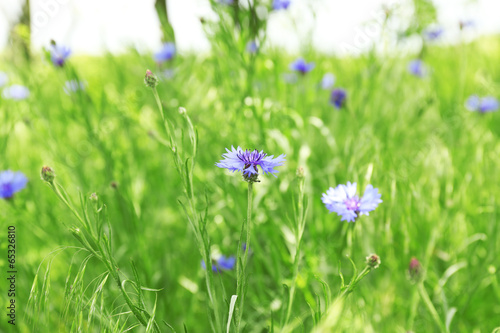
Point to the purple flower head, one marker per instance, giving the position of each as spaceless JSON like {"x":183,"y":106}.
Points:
{"x":222,"y":263}
{"x":433,"y":33}
{"x":247,"y":161}
{"x":301,"y":66}
{"x":482,"y":105}
{"x":417,"y":68}
{"x":73,"y":86}
{"x":3,"y":79}
{"x":16,"y":92}
{"x":166,"y":53}
{"x":327,"y":81}
{"x":338,"y":98}
{"x":281,"y":4}
{"x":344,"y":201}
{"x":252,"y":47}
{"x":59,"y":54}
{"x":11,"y":182}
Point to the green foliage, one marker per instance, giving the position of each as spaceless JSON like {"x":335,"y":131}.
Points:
{"x":434,"y":162}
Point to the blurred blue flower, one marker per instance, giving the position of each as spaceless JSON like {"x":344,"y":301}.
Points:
{"x":433,"y":33}
{"x":166,"y":53}
{"x":281,"y":4}
{"x":3,"y":79}
{"x":226,"y":2}
{"x":301,"y":66}
{"x":11,"y":182}
{"x":417,"y":68}
{"x":223,"y":263}
{"x":73,"y":86}
{"x":252,"y":47}
{"x":344,"y":201}
{"x":338,"y":98}
{"x":482,"y":105}
{"x":327,"y":81}
{"x":59,"y":54}
{"x":247,"y":161}
{"x":16,"y":92}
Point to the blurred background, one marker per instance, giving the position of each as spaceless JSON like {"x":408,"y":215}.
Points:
{"x":331,"y":26}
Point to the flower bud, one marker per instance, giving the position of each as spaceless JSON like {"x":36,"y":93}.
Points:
{"x":373,"y":261}
{"x":150,"y":79}
{"x":47,"y":174}
{"x":93,"y":197}
{"x":182,"y":110}
{"x":414,"y":269}
{"x":300,"y":172}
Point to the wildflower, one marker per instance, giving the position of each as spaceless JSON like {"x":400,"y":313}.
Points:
{"x":222,"y":263}
{"x":47,"y":174}
{"x":338,"y":98}
{"x":166,"y":53}
{"x":373,"y":261}
{"x":482,"y":105}
{"x":327,"y":81}
{"x":16,"y":92}
{"x":301,"y":66}
{"x":3,"y":79}
{"x":59,"y":54}
{"x":414,"y":269}
{"x":93,"y":197}
{"x":226,"y":2}
{"x":73,"y":86}
{"x":433,"y":33}
{"x":417,"y":68}
{"x":344,"y":201}
{"x":150,"y":80}
{"x":252,"y":47}
{"x":281,"y":4}
{"x":11,"y":182}
{"x":247,"y":161}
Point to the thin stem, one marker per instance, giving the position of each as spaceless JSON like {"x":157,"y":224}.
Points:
{"x":241,"y":265}
{"x":425,"y":297}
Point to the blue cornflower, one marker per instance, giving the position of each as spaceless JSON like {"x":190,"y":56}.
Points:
{"x":433,"y":33}
{"x":226,"y":2}
{"x":11,"y":182}
{"x":252,"y":47}
{"x":344,"y":201}
{"x":281,"y":4}
{"x":417,"y":68}
{"x":166,"y":53}
{"x":338,"y":98}
{"x":222,"y":263}
{"x":16,"y":92}
{"x":301,"y":66}
{"x":3,"y":79}
{"x":73,"y":86}
{"x":59,"y":54}
{"x":482,"y":105}
{"x":327,"y":81}
{"x":247,"y":161}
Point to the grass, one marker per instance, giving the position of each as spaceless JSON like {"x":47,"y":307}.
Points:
{"x":435,"y":163}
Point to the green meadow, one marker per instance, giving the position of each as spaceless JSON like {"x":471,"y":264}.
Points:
{"x":129,"y":257}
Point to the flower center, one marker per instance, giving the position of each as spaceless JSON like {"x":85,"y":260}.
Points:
{"x":352,"y":203}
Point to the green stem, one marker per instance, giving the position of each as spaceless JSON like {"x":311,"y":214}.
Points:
{"x":241,"y":265}
{"x":425,"y":297}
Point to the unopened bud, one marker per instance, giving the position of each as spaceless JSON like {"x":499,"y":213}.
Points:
{"x":182,"y":110}
{"x":300,"y":172}
{"x":47,"y":174}
{"x":373,"y":261}
{"x":93,"y":197}
{"x":150,"y":79}
{"x":414,"y":269}
{"x":113,"y":184}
